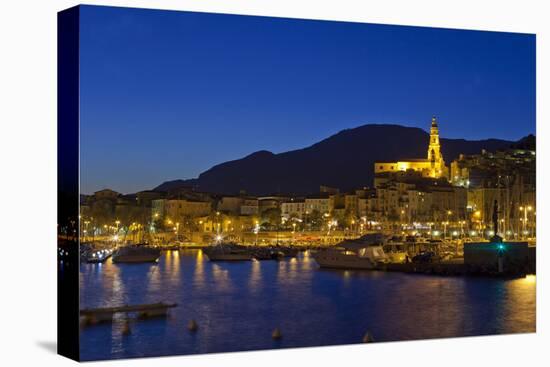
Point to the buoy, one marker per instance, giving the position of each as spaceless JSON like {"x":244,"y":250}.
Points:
{"x":368,"y":338}
{"x":126,"y":329}
{"x":192,"y":325}
{"x":276,"y":334}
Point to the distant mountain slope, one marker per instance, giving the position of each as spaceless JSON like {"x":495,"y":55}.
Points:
{"x":344,"y":160}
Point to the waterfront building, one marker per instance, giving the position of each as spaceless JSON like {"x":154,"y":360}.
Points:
{"x":318,"y":203}
{"x":294,"y":208}
{"x":180,"y":208}
{"x":270,"y":202}
{"x":337,"y":202}
{"x":230,"y":204}
{"x":432,"y":166}
{"x":249,"y":206}
{"x":158,"y":209}
{"x":351,"y":204}
{"x":362,"y":207}
{"x":409,"y":198}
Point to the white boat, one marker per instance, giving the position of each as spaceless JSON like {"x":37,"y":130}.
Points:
{"x":365,"y":252}
{"x":396,"y":252}
{"x":136,"y":254}
{"x":227,"y":252}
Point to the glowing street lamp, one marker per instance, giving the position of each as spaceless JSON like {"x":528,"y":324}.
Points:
{"x":445,"y":229}
{"x":462,"y":223}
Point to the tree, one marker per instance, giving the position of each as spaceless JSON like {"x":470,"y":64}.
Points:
{"x":272,"y":217}
{"x":315,"y":220}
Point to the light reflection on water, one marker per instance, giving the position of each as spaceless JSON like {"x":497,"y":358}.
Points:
{"x":238,"y":304}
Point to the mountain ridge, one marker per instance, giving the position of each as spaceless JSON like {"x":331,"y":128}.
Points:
{"x":344,"y":160}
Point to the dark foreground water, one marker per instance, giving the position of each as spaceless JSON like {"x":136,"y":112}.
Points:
{"x":237,"y":305}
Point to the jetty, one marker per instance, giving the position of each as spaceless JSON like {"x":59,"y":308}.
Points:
{"x":105,"y":314}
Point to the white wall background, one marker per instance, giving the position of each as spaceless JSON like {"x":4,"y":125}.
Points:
{"x":28,"y":180}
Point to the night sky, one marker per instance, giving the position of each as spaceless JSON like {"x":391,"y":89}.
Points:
{"x":167,"y":95}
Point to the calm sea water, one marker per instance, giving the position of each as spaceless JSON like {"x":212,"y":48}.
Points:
{"x":237,"y":305}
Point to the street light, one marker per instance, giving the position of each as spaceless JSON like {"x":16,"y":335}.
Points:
{"x":445,"y":229}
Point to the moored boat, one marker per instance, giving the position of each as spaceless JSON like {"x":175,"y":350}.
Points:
{"x":98,"y":256}
{"x":227,"y":252}
{"x":267,"y":253}
{"x":365,"y":252}
{"x":140,"y":253}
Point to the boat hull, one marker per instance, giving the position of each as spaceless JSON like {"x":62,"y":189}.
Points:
{"x":335,"y":260}
{"x":136,"y":255}
{"x":228,"y":252}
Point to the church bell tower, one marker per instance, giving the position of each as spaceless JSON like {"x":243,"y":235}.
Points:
{"x":437,"y":165}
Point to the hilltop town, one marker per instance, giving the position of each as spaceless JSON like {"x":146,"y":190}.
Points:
{"x":421,"y":195}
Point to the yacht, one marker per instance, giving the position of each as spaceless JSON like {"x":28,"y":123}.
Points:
{"x":396,"y":252}
{"x":140,"y":253}
{"x":227,"y":252}
{"x":365,"y":252}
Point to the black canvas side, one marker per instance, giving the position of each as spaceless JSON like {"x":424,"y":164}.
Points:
{"x":68,"y":183}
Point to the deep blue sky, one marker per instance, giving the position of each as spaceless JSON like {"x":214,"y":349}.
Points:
{"x":167,"y":95}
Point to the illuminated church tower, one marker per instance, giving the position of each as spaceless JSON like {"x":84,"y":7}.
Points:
{"x":437,"y":164}
{"x":433,"y":166}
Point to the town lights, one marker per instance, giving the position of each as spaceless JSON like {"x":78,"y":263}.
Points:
{"x":524,"y":220}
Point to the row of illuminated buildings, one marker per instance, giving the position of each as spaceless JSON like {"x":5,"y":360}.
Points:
{"x":400,"y":196}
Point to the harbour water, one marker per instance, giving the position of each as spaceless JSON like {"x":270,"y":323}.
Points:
{"x":237,"y":305}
